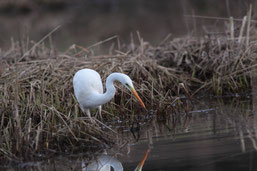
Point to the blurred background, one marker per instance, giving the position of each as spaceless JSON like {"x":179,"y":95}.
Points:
{"x":85,"y":22}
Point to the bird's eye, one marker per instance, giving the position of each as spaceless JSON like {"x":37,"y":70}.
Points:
{"x":126,"y":84}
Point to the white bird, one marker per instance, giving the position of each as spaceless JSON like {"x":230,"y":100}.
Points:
{"x":88,"y":89}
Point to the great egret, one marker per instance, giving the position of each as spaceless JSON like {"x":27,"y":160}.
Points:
{"x":88,"y":89}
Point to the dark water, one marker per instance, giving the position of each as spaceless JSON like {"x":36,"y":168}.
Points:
{"x":218,"y":134}
{"x":221,"y":135}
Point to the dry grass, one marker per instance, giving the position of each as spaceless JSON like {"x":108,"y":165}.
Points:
{"x":41,"y":118}
{"x":39,"y":113}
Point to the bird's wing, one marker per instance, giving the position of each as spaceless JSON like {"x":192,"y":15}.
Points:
{"x":88,"y":81}
{"x":86,"y":84}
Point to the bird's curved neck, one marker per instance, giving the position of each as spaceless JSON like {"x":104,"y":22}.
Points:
{"x":110,"y":89}
{"x":110,"y":161}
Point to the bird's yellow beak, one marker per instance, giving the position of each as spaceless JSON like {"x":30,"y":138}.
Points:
{"x":142,"y":162}
{"x":138,"y":98}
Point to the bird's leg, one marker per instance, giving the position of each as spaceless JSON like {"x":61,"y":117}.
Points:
{"x":100,"y":112}
{"x":89,"y":115}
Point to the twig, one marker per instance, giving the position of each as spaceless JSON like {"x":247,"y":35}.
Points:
{"x":249,"y":15}
{"x":103,"y":41}
{"x":40,"y":41}
{"x":216,"y":18}
{"x":242,"y":29}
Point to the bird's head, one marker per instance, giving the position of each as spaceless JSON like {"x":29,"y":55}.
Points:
{"x":127,"y":82}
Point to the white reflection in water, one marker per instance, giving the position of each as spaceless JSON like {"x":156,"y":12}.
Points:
{"x":103,"y":163}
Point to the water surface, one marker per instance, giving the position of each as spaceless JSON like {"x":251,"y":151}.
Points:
{"x":217,"y":134}
{"x":221,"y":134}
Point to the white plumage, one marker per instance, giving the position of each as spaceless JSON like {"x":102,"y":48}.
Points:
{"x":88,"y":89}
